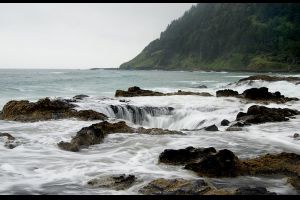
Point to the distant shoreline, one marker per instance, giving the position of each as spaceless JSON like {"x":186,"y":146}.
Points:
{"x":199,"y":70}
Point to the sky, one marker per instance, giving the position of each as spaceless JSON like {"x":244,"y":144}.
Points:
{"x":80,"y":35}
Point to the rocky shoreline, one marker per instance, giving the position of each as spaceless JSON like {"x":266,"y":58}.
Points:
{"x":205,"y":162}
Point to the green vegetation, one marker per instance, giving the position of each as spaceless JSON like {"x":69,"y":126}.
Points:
{"x":227,"y":36}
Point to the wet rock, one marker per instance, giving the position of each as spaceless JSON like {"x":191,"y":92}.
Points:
{"x":96,"y":133}
{"x":11,"y":144}
{"x":283,"y":163}
{"x":222,"y":191}
{"x":256,"y":94}
{"x":296,"y":135}
{"x":264,"y":94}
{"x":234,"y":128}
{"x":225,"y":122}
{"x":227,"y":93}
{"x":89,"y":115}
{"x":10,"y":141}
{"x":253,"y":191}
{"x":157,"y":131}
{"x":261,"y":114}
{"x":45,"y":109}
{"x":184,"y":156}
{"x":136,"y":91}
{"x":117,"y":182}
{"x":123,"y":101}
{"x":80,"y":97}
{"x":222,"y":164}
{"x":9,"y":136}
{"x":294,"y":181}
{"x":270,"y":78}
{"x":178,"y":186}
{"x":201,"y":86}
{"x":179,"y":92}
{"x":211,"y":128}
{"x":225,"y":163}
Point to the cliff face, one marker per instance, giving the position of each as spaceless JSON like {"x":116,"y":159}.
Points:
{"x":227,"y":36}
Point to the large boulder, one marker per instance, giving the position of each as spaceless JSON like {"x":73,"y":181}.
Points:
{"x":211,"y":128}
{"x":222,"y":164}
{"x":184,"y":156}
{"x":96,"y":133}
{"x":256,"y":94}
{"x":117,"y":182}
{"x":225,"y":163}
{"x":136,"y":91}
{"x":261,"y":114}
{"x":227,"y":93}
{"x":264,"y":94}
{"x":45,"y":109}
{"x":225,"y":122}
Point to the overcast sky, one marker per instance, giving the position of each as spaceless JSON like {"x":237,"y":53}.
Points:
{"x":80,"y":35}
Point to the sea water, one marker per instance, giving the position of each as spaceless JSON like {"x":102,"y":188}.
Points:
{"x":38,"y":166}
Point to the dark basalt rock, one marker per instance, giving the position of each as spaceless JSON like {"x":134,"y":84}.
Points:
{"x":45,"y":109}
{"x":256,"y":94}
{"x":225,"y":122}
{"x":201,"y":86}
{"x":89,"y":115}
{"x":261,"y":114}
{"x":179,"y":92}
{"x":222,"y":164}
{"x":136,"y":91}
{"x":253,"y":191}
{"x":9,"y":136}
{"x":117,"y":182}
{"x":227,"y":93}
{"x":264,"y":94}
{"x":226,"y":164}
{"x":96,"y":133}
{"x":296,"y":135}
{"x":178,"y":186}
{"x":211,"y":128}
{"x":11,"y":141}
{"x":234,"y":128}
{"x":270,"y":78}
{"x":80,"y":97}
{"x":184,"y":156}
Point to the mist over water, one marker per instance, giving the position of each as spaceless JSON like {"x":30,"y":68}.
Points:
{"x":38,"y":166}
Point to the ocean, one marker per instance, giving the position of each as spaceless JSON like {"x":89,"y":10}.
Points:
{"x":38,"y":166}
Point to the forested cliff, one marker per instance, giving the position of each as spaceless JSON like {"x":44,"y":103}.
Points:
{"x":227,"y":36}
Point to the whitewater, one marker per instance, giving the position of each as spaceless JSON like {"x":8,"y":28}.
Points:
{"x":38,"y":166}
